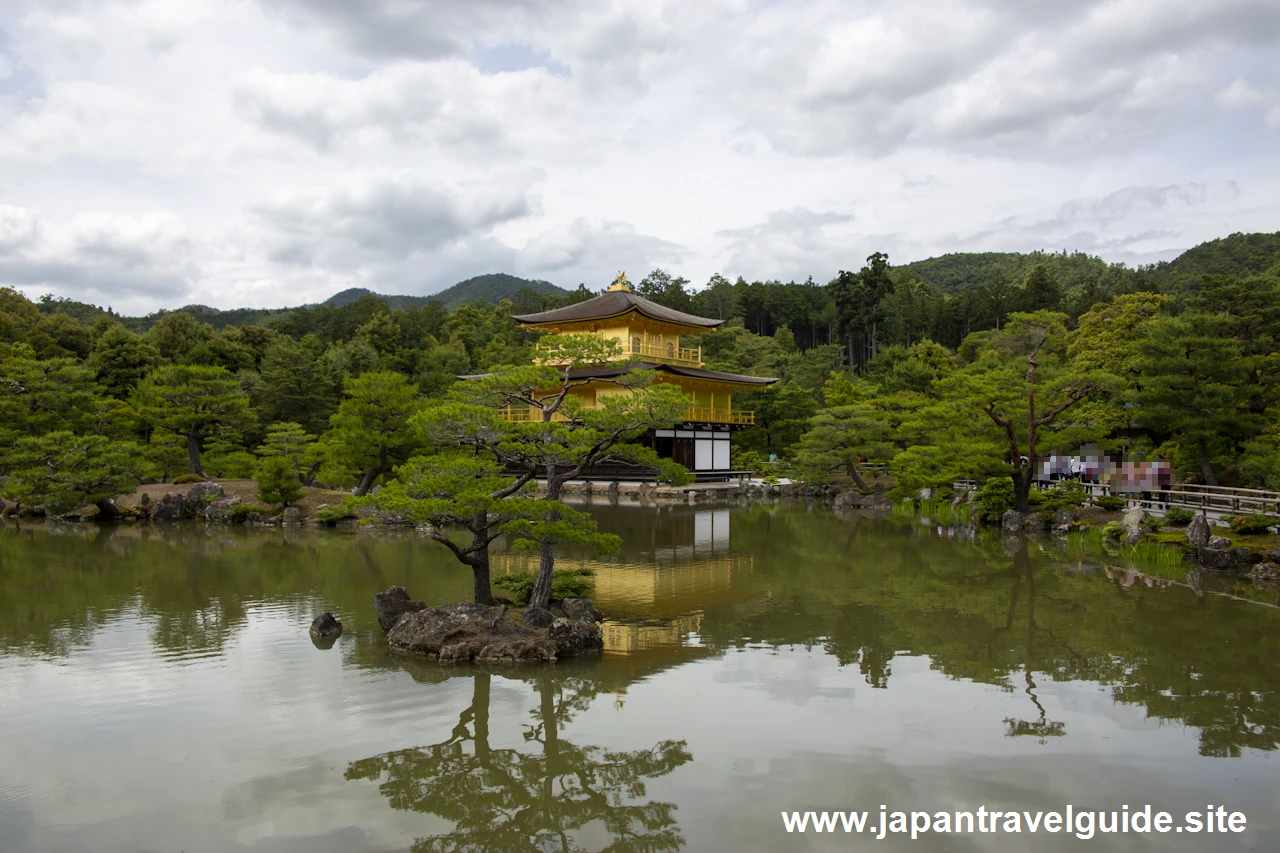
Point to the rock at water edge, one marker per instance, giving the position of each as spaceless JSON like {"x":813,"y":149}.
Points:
{"x":538,"y":617}
{"x":576,"y":637}
{"x":393,"y":603}
{"x":1133,"y":522}
{"x":581,"y":608}
{"x":426,"y":632}
{"x":1198,"y":532}
{"x":326,"y":627}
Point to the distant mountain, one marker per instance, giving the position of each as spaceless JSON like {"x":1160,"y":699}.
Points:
{"x":493,"y":287}
{"x":218,"y":318}
{"x":955,"y":273}
{"x":1238,"y":254}
{"x":395,"y":303}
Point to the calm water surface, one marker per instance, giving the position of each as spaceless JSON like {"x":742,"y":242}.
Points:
{"x":159,"y":691}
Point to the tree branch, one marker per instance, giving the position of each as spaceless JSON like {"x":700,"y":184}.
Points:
{"x":1073,"y":397}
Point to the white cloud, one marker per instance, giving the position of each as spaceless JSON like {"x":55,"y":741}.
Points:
{"x":1239,"y":96}
{"x":447,"y":104}
{"x":301,"y":146}
{"x":107,"y":257}
{"x":383,"y":230}
{"x":583,"y":247}
{"x":791,"y":245}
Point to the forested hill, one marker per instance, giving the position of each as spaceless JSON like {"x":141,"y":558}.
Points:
{"x":492,"y":288}
{"x":956,"y":273}
{"x":1238,"y":254}
{"x":1242,"y":255}
{"x":970,"y":280}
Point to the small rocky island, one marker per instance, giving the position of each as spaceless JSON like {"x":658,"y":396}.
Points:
{"x":459,"y":633}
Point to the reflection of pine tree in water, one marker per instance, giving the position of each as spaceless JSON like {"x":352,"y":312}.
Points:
{"x":1042,"y":728}
{"x":508,"y":800}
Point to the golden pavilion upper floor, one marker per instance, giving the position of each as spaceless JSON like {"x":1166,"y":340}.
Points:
{"x":649,"y":337}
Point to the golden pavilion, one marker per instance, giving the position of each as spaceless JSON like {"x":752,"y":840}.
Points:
{"x":649,"y":335}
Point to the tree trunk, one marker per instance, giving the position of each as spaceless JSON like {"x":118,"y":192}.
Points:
{"x":1022,"y":489}
{"x":541,"y":595}
{"x":371,"y":474}
{"x":366,"y":481}
{"x":857,"y":477}
{"x":1206,"y":467}
{"x":480,"y":702}
{"x":193,"y":454}
{"x":480,"y":570}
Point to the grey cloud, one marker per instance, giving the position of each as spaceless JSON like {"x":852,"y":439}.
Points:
{"x":791,"y":245}
{"x":381,"y":220}
{"x":1125,"y":202}
{"x":614,"y":48}
{"x":447,"y":104}
{"x":98,"y":257}
{"x":1020,"y":79}
{"x":411,"y":28}
{"x":591,"y":251}
{"x":1117,"y":226}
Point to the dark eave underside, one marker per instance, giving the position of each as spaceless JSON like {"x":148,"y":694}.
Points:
{"x":606,"y":372}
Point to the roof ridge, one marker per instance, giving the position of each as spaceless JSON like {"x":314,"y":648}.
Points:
{"x":612,"y":303}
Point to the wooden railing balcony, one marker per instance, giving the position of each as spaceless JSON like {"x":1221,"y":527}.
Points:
{"x":667,"y":354}
{"x":702,"y":414}
{"x":721,"y":416}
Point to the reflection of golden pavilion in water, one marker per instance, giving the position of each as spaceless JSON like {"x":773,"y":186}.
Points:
{"x":653,"y":594}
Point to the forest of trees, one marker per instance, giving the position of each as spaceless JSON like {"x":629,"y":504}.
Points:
{"x":928,"y":367}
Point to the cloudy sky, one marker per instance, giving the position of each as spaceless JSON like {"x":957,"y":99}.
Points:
{"x":155,"y":153}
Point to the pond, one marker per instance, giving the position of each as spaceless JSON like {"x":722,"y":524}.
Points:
{"x":159,"y":691}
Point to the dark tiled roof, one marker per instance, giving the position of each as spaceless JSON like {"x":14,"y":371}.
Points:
{"x":702,"y":373}
{"x":606,"y":371}
{"x":612,"y":303}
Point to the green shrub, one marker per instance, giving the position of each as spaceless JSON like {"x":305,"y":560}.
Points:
{"x":1068,"y":494}
{"x":1109,"y":503}
{"x":1250,"y":524}
{"x":995,"y":498}
{"x":334,"y":514}
{"x":1152,"y":523}
{"x":746,"y":460}
{"x":1113,"y":530}
{"x":240,"y":512}
{"x":277,"y":484}
{"x":1179,"y":515}
{"x":187,"y":479}
{"x":565,"y":583}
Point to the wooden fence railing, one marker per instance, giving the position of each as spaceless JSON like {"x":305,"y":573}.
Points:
{"x":1195,"y":496}
{"x":1226,"y":499}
